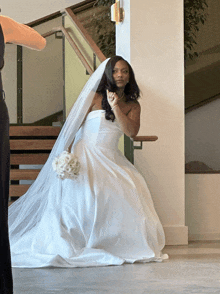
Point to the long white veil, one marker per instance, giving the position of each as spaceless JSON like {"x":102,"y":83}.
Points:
{"x":27,"y":211}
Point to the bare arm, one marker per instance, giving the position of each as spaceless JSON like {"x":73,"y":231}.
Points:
{"x":21,"y":34}
{"x":129,"y":124}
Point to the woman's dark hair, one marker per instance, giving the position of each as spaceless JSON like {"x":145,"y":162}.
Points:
{"x":132,"y":91}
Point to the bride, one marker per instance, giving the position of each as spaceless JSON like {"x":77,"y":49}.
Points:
{"x":105,"y":216}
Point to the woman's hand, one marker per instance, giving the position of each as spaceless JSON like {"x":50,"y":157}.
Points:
{"x":130,"y":123}
{"x":112,"y":98}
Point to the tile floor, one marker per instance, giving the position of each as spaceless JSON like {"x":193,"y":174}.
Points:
{"x":191,"y":269}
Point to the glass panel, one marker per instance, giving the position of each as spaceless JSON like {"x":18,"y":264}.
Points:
{"x":43,"y":77}
{"x":202,"y":138}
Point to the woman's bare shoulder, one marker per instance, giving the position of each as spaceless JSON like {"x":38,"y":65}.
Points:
{"x":135,"y":105}
{"x":97,"y":96}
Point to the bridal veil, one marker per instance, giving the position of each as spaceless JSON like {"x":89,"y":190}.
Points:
{"x":26,"y":212}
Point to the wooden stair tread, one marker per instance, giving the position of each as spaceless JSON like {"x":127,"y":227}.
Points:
{"x":29,"y":145}
{"x":24,"y":174}
{"x":18,"y":190}
{"x":28,"y":158}
{"x":32,"y":144}
{"x":33,"y":131}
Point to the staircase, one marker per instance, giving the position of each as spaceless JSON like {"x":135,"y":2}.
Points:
{"x":30,"y":145}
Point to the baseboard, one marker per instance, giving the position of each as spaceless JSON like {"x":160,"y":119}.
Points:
{"x":204,"y":237}
{"x":176,"y":235}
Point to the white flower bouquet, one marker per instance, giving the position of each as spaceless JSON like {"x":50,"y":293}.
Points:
{"x":66,"y":165}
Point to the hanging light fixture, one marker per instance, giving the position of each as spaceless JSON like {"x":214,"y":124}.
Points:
{"x":117,"y":13}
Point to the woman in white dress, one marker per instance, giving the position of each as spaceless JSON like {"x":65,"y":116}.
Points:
{"x":106,"y":215}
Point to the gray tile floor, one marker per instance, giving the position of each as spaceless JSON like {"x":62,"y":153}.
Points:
{"x":191,"y":269}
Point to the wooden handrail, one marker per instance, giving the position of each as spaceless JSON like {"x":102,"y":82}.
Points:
{"x":145,"y":138}
{"x":79,"y":7}
{"x":85,"y":34}
{"x":72,"y":44}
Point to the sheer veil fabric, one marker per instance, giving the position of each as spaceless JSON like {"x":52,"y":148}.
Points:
{"x":26,"y":212}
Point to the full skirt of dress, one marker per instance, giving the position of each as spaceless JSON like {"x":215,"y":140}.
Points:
{"x":104,"y":217}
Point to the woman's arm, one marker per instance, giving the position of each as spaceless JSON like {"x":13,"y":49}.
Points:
{"x":21,"y":34}
{"x":129,"y":124}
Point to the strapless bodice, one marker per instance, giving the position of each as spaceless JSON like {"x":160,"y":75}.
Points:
{"x":99,"y":132}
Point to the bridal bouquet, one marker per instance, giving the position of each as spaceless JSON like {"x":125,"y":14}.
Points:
{"x":66,"y":165}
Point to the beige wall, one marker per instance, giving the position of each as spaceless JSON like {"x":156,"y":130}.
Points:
{"x":151,"y":38}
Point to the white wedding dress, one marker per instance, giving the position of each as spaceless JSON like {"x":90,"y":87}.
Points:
{"x":104,"y":217}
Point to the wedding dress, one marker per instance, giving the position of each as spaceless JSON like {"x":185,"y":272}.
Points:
{"x":104,"y":217}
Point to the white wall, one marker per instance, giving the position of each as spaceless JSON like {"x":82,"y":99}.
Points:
{"x":26,"y":11}
{"x":151,"y":38}
{"x":202,"y":206}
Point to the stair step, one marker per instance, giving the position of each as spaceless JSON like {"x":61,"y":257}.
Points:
{"x":24,"y":174}
{"x":33,"y":131}
{"x":32,"y":144}
{"x":37,"y":140}
{"x":28,"y":158}
{"x":18,"y":190}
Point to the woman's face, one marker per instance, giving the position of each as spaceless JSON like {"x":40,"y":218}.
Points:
{"x":121,"y":74}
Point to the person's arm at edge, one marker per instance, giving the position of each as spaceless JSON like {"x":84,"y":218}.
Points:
{"x":21,"y":34}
